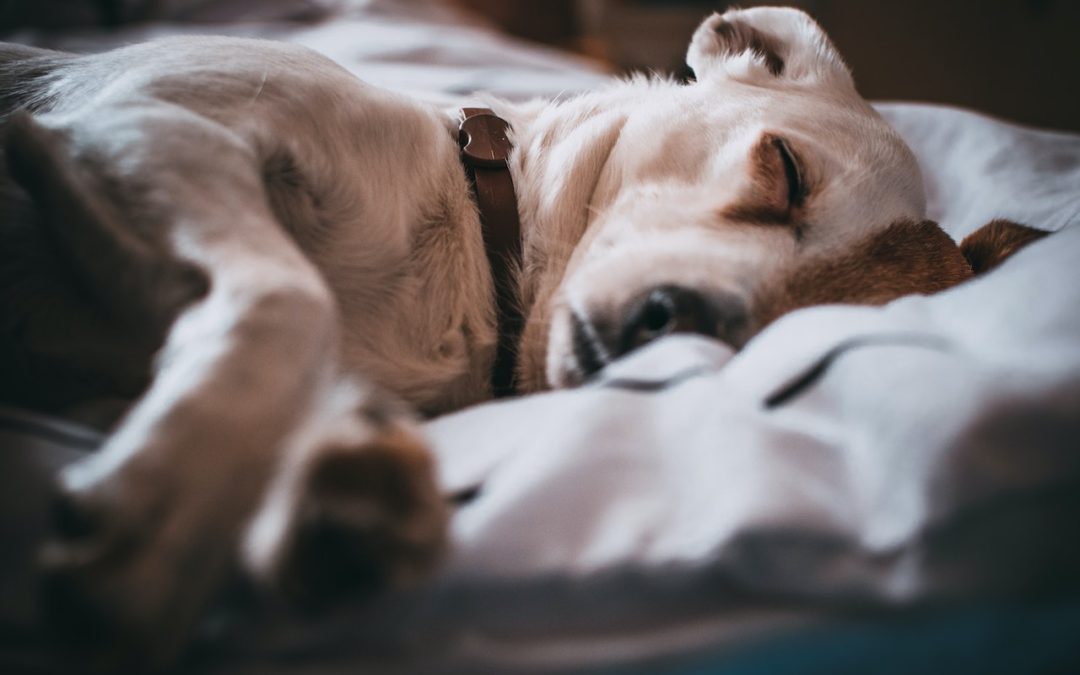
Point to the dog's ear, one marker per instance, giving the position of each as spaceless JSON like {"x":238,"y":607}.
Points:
{"x":905,"y":258}
{"x":765,"y":43}
{"x":989,"y":246}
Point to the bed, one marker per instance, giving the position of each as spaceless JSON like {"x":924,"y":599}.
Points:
{"x":891,"y":489}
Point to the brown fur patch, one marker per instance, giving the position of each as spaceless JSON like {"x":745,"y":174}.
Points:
{"x":769,"y":200}
{"x":738,"y":37}
{"x":372,"y":516}
{"x":85,"y":301}
{"x":991,"y":244}
{"x":907,"y":257}
{"x":140,"y":283}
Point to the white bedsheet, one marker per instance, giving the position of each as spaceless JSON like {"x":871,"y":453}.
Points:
{"x":869,"y":458}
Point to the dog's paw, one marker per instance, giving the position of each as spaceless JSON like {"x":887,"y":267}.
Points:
{"x":363,"y":517}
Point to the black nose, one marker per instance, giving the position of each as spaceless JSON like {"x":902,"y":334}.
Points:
{"x":675,"y":309}
{"x":659,"y":312}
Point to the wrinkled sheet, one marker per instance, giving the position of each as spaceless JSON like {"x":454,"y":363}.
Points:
{"x":869,"y":460}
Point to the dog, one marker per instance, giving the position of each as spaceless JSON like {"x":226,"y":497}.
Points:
{"x":274,"y":268}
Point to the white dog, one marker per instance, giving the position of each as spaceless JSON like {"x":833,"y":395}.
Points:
{"x":264,"y":255}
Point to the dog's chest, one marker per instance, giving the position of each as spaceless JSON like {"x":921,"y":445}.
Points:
{"x":403,"y":254}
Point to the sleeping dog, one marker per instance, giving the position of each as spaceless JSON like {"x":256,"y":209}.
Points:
{"x":273,"y":266}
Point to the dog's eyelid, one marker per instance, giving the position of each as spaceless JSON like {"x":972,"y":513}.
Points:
{"x":793,"y":170}
{"x":778,"y":188}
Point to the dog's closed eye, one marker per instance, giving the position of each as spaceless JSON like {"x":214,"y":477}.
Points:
{"x":796,"y":187}
{"x":777,"y":186}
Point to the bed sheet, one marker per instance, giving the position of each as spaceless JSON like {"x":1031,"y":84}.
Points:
{"x":849,"y":462}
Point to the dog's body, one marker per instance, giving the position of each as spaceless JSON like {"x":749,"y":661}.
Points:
{"x":251,"y":235}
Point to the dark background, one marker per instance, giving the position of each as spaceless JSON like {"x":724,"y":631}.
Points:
{"x":1018,"y":59}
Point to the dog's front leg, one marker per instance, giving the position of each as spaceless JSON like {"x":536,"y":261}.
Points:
{"x":158,"y":517}
{"x":247,"y":382}
{"x":150,"y":524}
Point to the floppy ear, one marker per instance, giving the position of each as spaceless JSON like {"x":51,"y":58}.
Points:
{"x":905,"y":258}
{"x":765,"y":43}
{"x":989,"y":246}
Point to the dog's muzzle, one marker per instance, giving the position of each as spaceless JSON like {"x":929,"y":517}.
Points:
{"x":599,"y":339}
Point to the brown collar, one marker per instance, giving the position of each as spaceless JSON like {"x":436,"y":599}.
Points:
{"x":484,"y":149}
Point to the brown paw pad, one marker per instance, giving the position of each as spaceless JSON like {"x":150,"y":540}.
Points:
{"x":369,"y":518}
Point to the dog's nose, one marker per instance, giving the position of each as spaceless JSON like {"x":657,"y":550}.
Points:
{"x":661,"y":311}
{"x":675,"y":309}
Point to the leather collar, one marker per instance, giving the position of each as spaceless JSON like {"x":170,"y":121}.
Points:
{"x":484,"y":149}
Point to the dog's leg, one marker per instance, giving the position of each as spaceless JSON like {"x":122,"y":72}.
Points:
{"x":344,"y":514}
{"x":149,"y":525}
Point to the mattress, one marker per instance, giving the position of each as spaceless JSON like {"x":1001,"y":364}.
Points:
{"x":852,"y":467}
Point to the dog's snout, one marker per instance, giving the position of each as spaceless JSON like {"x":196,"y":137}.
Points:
{"x":660,"y":311}
{"x":675,"y":309}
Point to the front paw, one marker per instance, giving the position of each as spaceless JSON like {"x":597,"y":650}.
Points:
{"x":364,"y":516}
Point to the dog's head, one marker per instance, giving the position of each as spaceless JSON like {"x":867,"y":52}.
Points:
{"x":766,"y":185}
